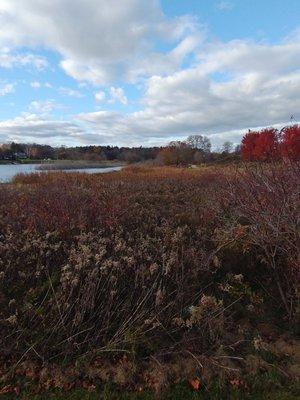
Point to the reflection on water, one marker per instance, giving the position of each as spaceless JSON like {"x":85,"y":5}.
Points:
{"x":7,"y":172}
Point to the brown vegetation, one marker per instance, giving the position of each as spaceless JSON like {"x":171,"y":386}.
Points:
{"x":196,"y":270}
{"x":80,"y":164}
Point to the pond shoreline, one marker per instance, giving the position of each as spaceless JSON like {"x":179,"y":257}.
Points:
{"x":9,"y":171}
{"x":28,"y":161}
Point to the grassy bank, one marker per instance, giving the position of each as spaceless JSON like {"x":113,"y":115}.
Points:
{"x":150,"y":278}
{"x":80,"y":164}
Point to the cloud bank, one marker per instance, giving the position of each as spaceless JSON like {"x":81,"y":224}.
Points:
{"x":99,"y":40}
{"x":224,"y":89}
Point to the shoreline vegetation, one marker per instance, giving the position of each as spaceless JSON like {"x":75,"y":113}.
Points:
{"x":120,"y":286}
{"x":80,"y":164}
{"x":65,"y":164}
{"x":22,"y":162}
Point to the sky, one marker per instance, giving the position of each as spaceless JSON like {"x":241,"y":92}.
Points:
{"x":146,"y":72}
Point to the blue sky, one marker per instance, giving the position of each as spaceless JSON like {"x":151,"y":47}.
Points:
{"x":130,"y":72}
{"x":239,"y":19}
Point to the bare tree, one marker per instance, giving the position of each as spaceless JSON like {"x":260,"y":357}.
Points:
{"x":227,"y":147}
{"x":199,"y":142}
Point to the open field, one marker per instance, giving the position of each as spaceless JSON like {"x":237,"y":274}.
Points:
{"x":151,"y":277}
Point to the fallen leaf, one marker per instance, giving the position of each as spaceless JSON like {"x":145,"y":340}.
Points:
{"x":195,"y":383}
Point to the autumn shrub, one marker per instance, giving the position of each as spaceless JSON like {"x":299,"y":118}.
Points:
{"x":154,"y":262}
{"x":264,"y":223}
{"x":271,"y":144}
{"x":290,"y":143}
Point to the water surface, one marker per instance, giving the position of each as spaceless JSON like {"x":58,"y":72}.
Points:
{"x":7,"y":172}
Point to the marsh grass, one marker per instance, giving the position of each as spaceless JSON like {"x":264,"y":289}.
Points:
{"x":77,"y":164}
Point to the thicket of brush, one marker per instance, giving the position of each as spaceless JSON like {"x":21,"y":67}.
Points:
{"x":197,"y":270}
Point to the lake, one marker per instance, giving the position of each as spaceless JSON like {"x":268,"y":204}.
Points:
{"x":7,"y":172}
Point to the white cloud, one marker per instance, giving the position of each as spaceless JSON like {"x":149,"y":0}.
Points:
{"x":7,"y":88}
{"x":117,"y":95}
{"x":239,"y":56}
{"x":258,"y":85}
{"x":100,"y":96}
{"x":35,"y":128}
{"x":234,"y":86}
{"x":9,"y":59}
{"x":43,"y":107}
{"x":154,"y":63}
{"x":38,"y":85}
{"x":99,"y":40}
{"x":70,"y":92}
{"x":227,"y":88}
{"x":225,"y":5}
{"x":35,"y":85}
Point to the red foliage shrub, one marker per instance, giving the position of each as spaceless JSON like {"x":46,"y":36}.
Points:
{"x":290,"y":143}
{"x":248,"y":146}
{"x":260,"y":146}
{"x":271,"y":145}
{"x":266,"y":145}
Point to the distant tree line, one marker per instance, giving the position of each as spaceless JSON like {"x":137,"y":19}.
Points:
{"x":264,"y":145}
{"x":195,"y":150}
{"x":16,"y":151}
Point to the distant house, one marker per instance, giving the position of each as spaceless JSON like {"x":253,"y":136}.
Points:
{"x":20,"y":155}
